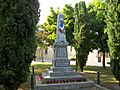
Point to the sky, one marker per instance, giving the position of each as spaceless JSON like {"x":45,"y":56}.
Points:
{"x":46,"y":4}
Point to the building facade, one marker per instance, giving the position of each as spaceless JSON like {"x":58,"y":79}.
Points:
{"x":94,"y":58}
{"x":48,"y":54}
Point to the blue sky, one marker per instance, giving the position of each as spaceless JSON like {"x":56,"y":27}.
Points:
{"x":46,"y":4}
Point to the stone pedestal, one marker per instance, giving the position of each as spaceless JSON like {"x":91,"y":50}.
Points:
{"x":61,"y":55}
{"x":61,"y":70}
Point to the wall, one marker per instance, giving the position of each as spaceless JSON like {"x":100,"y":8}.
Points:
{"x":92,"y":57}
{"x":40,"y":53}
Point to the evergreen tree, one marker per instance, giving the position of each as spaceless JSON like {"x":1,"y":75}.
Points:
{"x":81,"y":34}
{"x":17,"y":40}
{"x":113,"y":31}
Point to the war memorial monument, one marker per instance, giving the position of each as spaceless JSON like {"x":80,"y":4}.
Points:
{"x":61,"y":76}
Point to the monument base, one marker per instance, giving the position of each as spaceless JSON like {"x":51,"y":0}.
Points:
{"x":61,"y":75}
{"x":87,"y":85}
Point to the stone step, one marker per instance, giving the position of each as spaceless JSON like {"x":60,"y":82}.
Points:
{"x":89,"y":85}
{"x":64,"y":79}
{"x":66,"y":73}
{"x":61,"y":69}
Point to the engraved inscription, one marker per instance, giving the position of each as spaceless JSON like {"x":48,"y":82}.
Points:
{"x":62,"y":63}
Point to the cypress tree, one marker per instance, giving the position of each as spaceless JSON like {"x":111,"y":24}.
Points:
{"x":113,"y":31}
{"x":80,"y":34}
{"x":17,"y":40}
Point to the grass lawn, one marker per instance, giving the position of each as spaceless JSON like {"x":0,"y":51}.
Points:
{"x":107,"y":78}
{"x":38,"y":68}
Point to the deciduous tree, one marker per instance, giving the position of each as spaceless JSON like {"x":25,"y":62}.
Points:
{"x":51,"y":23}
{"x":96,"y":11}
{"x":68,"y":12}
{"x":49,"y":27}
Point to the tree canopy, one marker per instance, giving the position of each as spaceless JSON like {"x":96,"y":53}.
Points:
{"x":81,"y":34}
{"x":96,"y":11}
{"x":89,"y":30}
{"x":68,"y":12}
{"x":50,"y":25}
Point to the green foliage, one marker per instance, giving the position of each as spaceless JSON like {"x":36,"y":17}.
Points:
{"x":17,"y":37}
{"x":81,"y":34}
{"x":115,"y":67}
{"x":89,"y":30}
{"x":97,"y":13}
{"x":50,"y":25}
{"x":68,"y":12}
{"x":113,"y":31}
{"x":41,"y":37}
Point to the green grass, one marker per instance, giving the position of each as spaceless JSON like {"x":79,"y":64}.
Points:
{"x":106,"y":77}
{"x":38,"y":69}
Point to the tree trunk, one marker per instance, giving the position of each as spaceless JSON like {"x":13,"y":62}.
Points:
{"x":81,"y":68}
{"x":76,"y":66}
{"x":104,"y":59}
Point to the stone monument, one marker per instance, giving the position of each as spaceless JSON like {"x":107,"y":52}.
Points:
{"x":61,"y":70}
{"x":61,"y":76}
{"x":60,"y":45}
